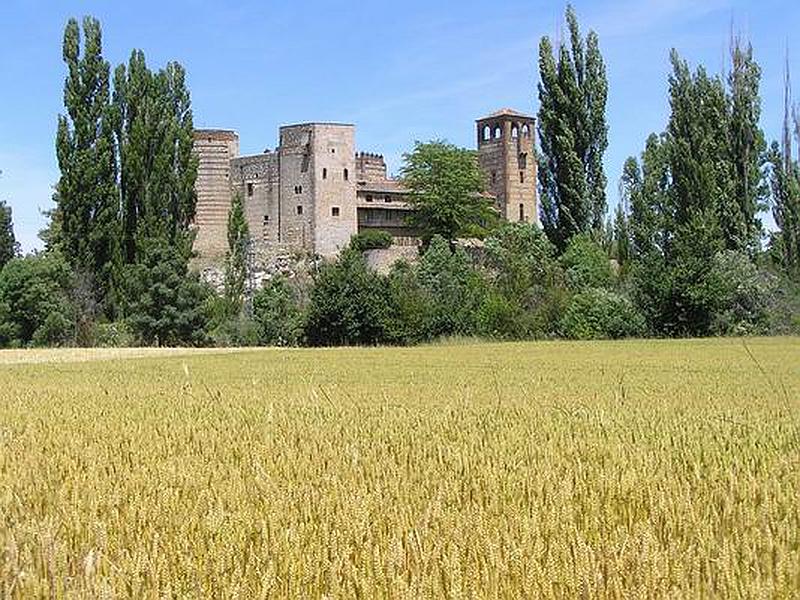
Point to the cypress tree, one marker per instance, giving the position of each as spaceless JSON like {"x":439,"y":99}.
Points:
{"x":573,"y":135}
{"x":88,"y":203}
{"x":9,"y":248}
{"x":236,"y":261}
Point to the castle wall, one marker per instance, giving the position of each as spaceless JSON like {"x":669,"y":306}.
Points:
{"x":257,"y":179}
{"x":296,"y":187}
{"x":370,"y":168}
{"x":214,"y":149}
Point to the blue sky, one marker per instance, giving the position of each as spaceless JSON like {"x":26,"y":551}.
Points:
{"x":401,"y":71}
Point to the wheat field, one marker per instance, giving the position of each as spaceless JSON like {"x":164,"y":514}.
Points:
{"x":659,"y":469}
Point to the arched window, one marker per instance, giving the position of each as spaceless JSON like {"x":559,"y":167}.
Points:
{"x":498,"y":132}
{"x":526,"y":131}
{"x":515,"y":132}
{"x":487,"y":133}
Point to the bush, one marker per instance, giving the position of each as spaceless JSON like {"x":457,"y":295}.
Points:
{"x":34,"y":301}
{"x":167,"y":305}
{"x":586,"y":264}
{"x":349,"y":304}
{"x":597,"y":313}
{"x":411,"y":318}
{"x":501,"y":318}
{"x":236,"y":332}
{"x":116,"y":334}
{"x":277,"y":313}
{"x":456,"y":289}
{"x":371,"y":239}
{"x":519,"y":256}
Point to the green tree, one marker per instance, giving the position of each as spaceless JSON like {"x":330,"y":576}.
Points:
{"x":236,"y":260}
{"x":88,"y":203}
{"x":153,"y":126}
{"x":35,"y":306}
{"x":9,"y":247}
{"x":601,"y":314}
{"x":349,"y":304}
{"x":277,"y":311}
{"x":447,"y":192}
{"x":167,"y":305}
{"x":573,"y":134}
{"x":785,"y":185}
{"x":586,"y":264}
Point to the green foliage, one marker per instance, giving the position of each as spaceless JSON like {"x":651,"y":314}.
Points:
{"x":412,"y":305}
{"x":35,"y":306}
{"x":371,"y":239}
{"x":349,"y":304}
{"x":455,"y":288}
{"x":598,"y":313}
{"x":586,"y":264}
{"x":167,"y":305}
{"x":520,"y":257}
{"x":236,"y":260}
{"x":785,"y":186}
{"x":87,"y":191}
{"x":9,"y":247}
{"x":278,"y":314}
{"x":447,"y":188}
{"x":116,"y":334}
{"x":573,"y":134}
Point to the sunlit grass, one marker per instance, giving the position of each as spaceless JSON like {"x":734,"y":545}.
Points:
{"x":630,"y":469}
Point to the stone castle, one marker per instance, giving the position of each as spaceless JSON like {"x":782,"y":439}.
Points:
{"x":314,"y":191}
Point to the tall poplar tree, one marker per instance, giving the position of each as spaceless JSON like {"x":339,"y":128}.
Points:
{"x":236,"y":261}
{"x":88,"y":202}
{"x":9,"y":247}
{"x":573,"y":134}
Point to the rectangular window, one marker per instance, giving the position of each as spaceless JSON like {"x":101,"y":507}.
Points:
{"x":334,"y":211}
{"x":521,"y":212}
{"x":324,"y":173}
{"x":369,"y":198}
{"x":387,"y":199}
{"x":299,"y":209}
{"x":249,"y":189}
{"x":522,"y":176}
{"x":523,"y":161}
{"x":266,"y":219}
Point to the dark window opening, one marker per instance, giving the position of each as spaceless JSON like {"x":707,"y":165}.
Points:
{"x":387,"y":199}
{"x":266,"y":219}
{"x":333,"y":150}
{"x":299,"y":209}
{"x":521,"y":212}
{"x":249,"y":189}
{"x":369,"y":198}
{"x":494,"y":176}
{"x":324,"y":173}
{"x":334,"y":211}
{"x":522,"y":176}
{"x":523,"y":161}
{"x":346,"y":175}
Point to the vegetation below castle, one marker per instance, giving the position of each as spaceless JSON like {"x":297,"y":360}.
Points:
{"x":685,"y":254}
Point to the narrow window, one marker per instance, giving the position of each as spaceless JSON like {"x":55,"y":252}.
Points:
{"x":522,"y":176}
{"x":498,"y":133}
{"x":299,"y":209}
{"x":487,"y":133}
{"x":369,"y":198}
{"x":266,"y":219}
{"x":515,"y":132}
{"x":346,"y":175}
{"x":324,"y":173}
{"x":526,"y":131}
{"x":333,"y":150}
{"x":334,"y":211}
{"x":494,"y":176}
{"x":387,"y":199}
{"x":523,"y":161}
{"x":521,"y":212}
{"x":249,"y":189}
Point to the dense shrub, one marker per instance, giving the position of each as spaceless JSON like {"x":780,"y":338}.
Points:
{"x":167,"y":304}
{"x":519,"y":257}
{"x":586,"y":264}
{"x":412,"y":315}
{"x":35,"y":308}
{"x":598,"y":313}
{"x":349,"y":304}
{"x":371,"y":239}
{"x":277,"y":313}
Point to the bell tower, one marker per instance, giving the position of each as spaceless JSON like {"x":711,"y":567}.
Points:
{"x":507,"y":156}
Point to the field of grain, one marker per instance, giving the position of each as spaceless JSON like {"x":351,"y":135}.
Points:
{"x":662,"y":469}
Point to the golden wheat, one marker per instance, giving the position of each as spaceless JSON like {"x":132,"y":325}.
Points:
{"x":556,"y":470}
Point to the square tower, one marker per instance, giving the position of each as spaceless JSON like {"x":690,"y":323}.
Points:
{"x":318,"y":186}
{"x":507,"y":156}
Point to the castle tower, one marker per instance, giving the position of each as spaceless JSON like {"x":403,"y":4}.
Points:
{"x":214,"y":149}
{"x":318,"y":186}
{"x":507,"y":157}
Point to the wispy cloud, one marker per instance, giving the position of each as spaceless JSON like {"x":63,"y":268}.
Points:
{"x":639,"y":17}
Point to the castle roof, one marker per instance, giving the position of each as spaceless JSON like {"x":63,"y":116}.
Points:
{"x":507,"y":112}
